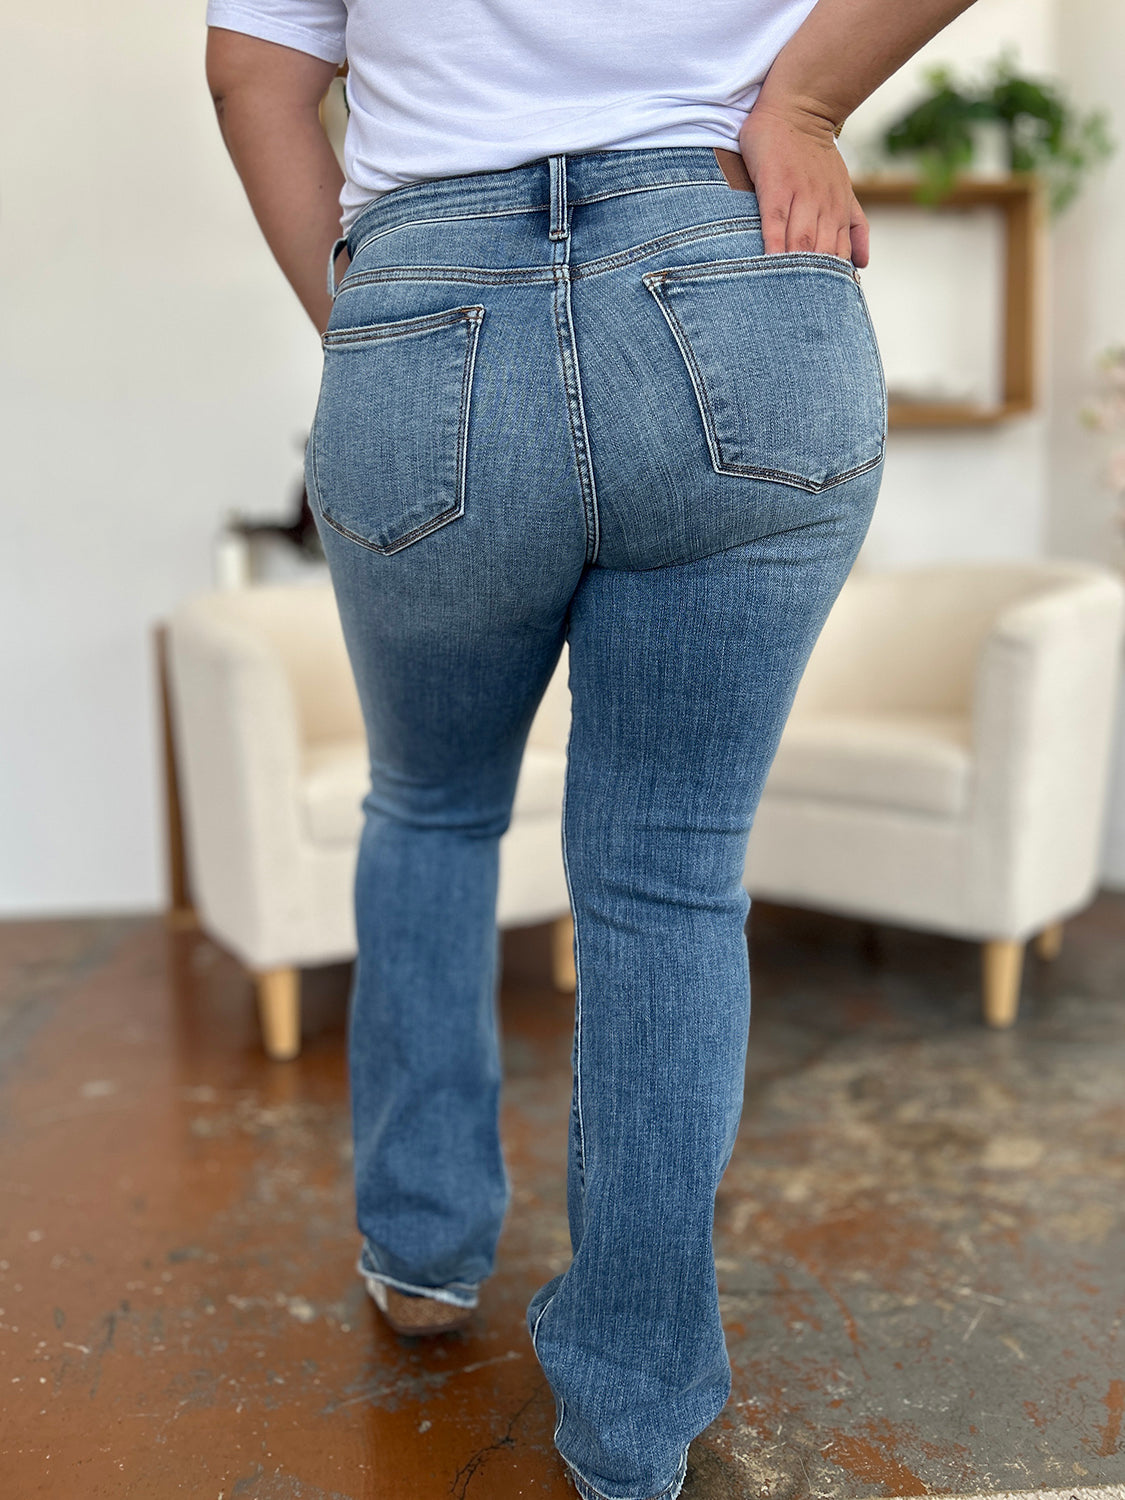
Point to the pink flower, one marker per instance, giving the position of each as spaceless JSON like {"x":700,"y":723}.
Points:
{"x":1113,"y":363}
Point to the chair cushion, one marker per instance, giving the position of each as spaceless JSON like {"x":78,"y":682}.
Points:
{"x":919,"y":762}
{"x":335,"y":781}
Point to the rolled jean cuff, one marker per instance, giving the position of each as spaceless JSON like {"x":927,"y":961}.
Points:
{"x":669,"y":1492}
{"x":456,"y":1293}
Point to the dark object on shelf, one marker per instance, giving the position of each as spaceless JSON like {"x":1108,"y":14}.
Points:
{"x":300,"y":532}
{"x":1043,"y":132}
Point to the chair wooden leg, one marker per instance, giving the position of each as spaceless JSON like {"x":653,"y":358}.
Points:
{"x":1002,"y":966}
{"x":279,"y":1012}
{"x":562,"y":954}
{"x":1048,"y":944}
{"x":181,"y":915}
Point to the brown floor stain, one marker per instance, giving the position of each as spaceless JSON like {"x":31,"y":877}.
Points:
{"x":794,"y":1307}
{"x":1032,"y":1410}
{"x":866,"y":1460}
{"x":1114,"y":1403}
{"x":920,"y":1239}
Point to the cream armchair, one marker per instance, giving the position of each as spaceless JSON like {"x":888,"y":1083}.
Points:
{"x":946,"y":761}
{"x":270,"y":767}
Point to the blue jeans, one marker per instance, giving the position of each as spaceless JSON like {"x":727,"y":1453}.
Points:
{"x":574,"y":401}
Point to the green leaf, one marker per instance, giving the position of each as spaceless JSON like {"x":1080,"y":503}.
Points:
{"x":1046,"y":134}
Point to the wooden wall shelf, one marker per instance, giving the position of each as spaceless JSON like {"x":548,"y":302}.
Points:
{"x":1020,"y":202}
{"x":950,"y":413}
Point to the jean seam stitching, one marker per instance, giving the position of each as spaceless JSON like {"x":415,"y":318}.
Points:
{"x":878,"y":355}
{"x":560,"y":208}
{"x":654,"y":187}
{"x":457,"y":510}
{"x":463,"y":416}
{"x":538,"y":208}
{"x":315,"y":496}
{"x":402,"y":328}
{"x":488,"y":213}
{"x":762,"y":265}
{"x":575,"y":412}
{"x":703,"y":400}
{"x":531,"y":275}
{"x":480,"y":275}
{"x":400,"y":546}
{"x":712,"y":229}
{"x":796,"y":481}
{"x":581,"y":1131}
{"x":721,"y":465}
{"x":561,"y":1402}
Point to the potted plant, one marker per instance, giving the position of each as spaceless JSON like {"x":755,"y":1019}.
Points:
{"x":1042,"y":132}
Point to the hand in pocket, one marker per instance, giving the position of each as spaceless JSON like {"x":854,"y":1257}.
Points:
{"x":804,"y":192}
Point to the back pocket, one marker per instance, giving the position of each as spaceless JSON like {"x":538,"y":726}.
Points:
{"x":783,"y":359}
{"x":390,"y":436}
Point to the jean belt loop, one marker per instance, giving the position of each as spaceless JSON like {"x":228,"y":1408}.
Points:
{"x":336,"y":248}
{"x":560,"y":211}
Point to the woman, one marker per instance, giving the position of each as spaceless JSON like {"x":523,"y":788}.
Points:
{"x":597,"y":370}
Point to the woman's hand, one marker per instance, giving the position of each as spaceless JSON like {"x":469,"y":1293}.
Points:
{"x":804,"y":191}
{"x":839,"y":54}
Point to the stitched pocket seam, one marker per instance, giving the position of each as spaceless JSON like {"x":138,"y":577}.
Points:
{"x":408,"y":328}
{"x":758,"y":265}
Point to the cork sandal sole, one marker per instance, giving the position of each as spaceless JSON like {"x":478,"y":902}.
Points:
{"x":417,"y":1317}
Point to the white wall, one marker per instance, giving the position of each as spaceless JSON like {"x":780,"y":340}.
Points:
{"x":157,"y":372}
{"x":965,"y":493}
{"x":1089,"y":316}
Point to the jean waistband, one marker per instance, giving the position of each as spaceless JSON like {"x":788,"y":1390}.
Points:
{"x":588,"y":176}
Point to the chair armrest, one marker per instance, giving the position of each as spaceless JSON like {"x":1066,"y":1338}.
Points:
{"x":238,"y":742}
{"x":551,"y":725}
{"x":1044,"y":699}
{"x":904,"y":641}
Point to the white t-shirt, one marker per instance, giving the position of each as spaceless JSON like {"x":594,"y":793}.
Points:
{"x":437,"y":90}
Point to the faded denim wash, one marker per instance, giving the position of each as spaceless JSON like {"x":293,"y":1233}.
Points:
{"x":575,"y":401}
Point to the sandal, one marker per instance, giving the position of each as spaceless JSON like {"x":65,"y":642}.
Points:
{"x":416,"y":1316}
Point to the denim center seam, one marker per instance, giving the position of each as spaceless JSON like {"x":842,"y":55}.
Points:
{"x":568,"y":359}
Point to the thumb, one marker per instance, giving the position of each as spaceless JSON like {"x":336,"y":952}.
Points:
{"x":860,"y":235}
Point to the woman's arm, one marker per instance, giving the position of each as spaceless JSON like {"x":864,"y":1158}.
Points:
{"x":842,"y":52}
{"x":267,"y":98}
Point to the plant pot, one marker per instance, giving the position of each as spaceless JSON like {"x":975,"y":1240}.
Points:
{"x":991,"y":152}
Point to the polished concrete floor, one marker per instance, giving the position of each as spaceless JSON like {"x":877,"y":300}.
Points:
{"x":921,"y":1237}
